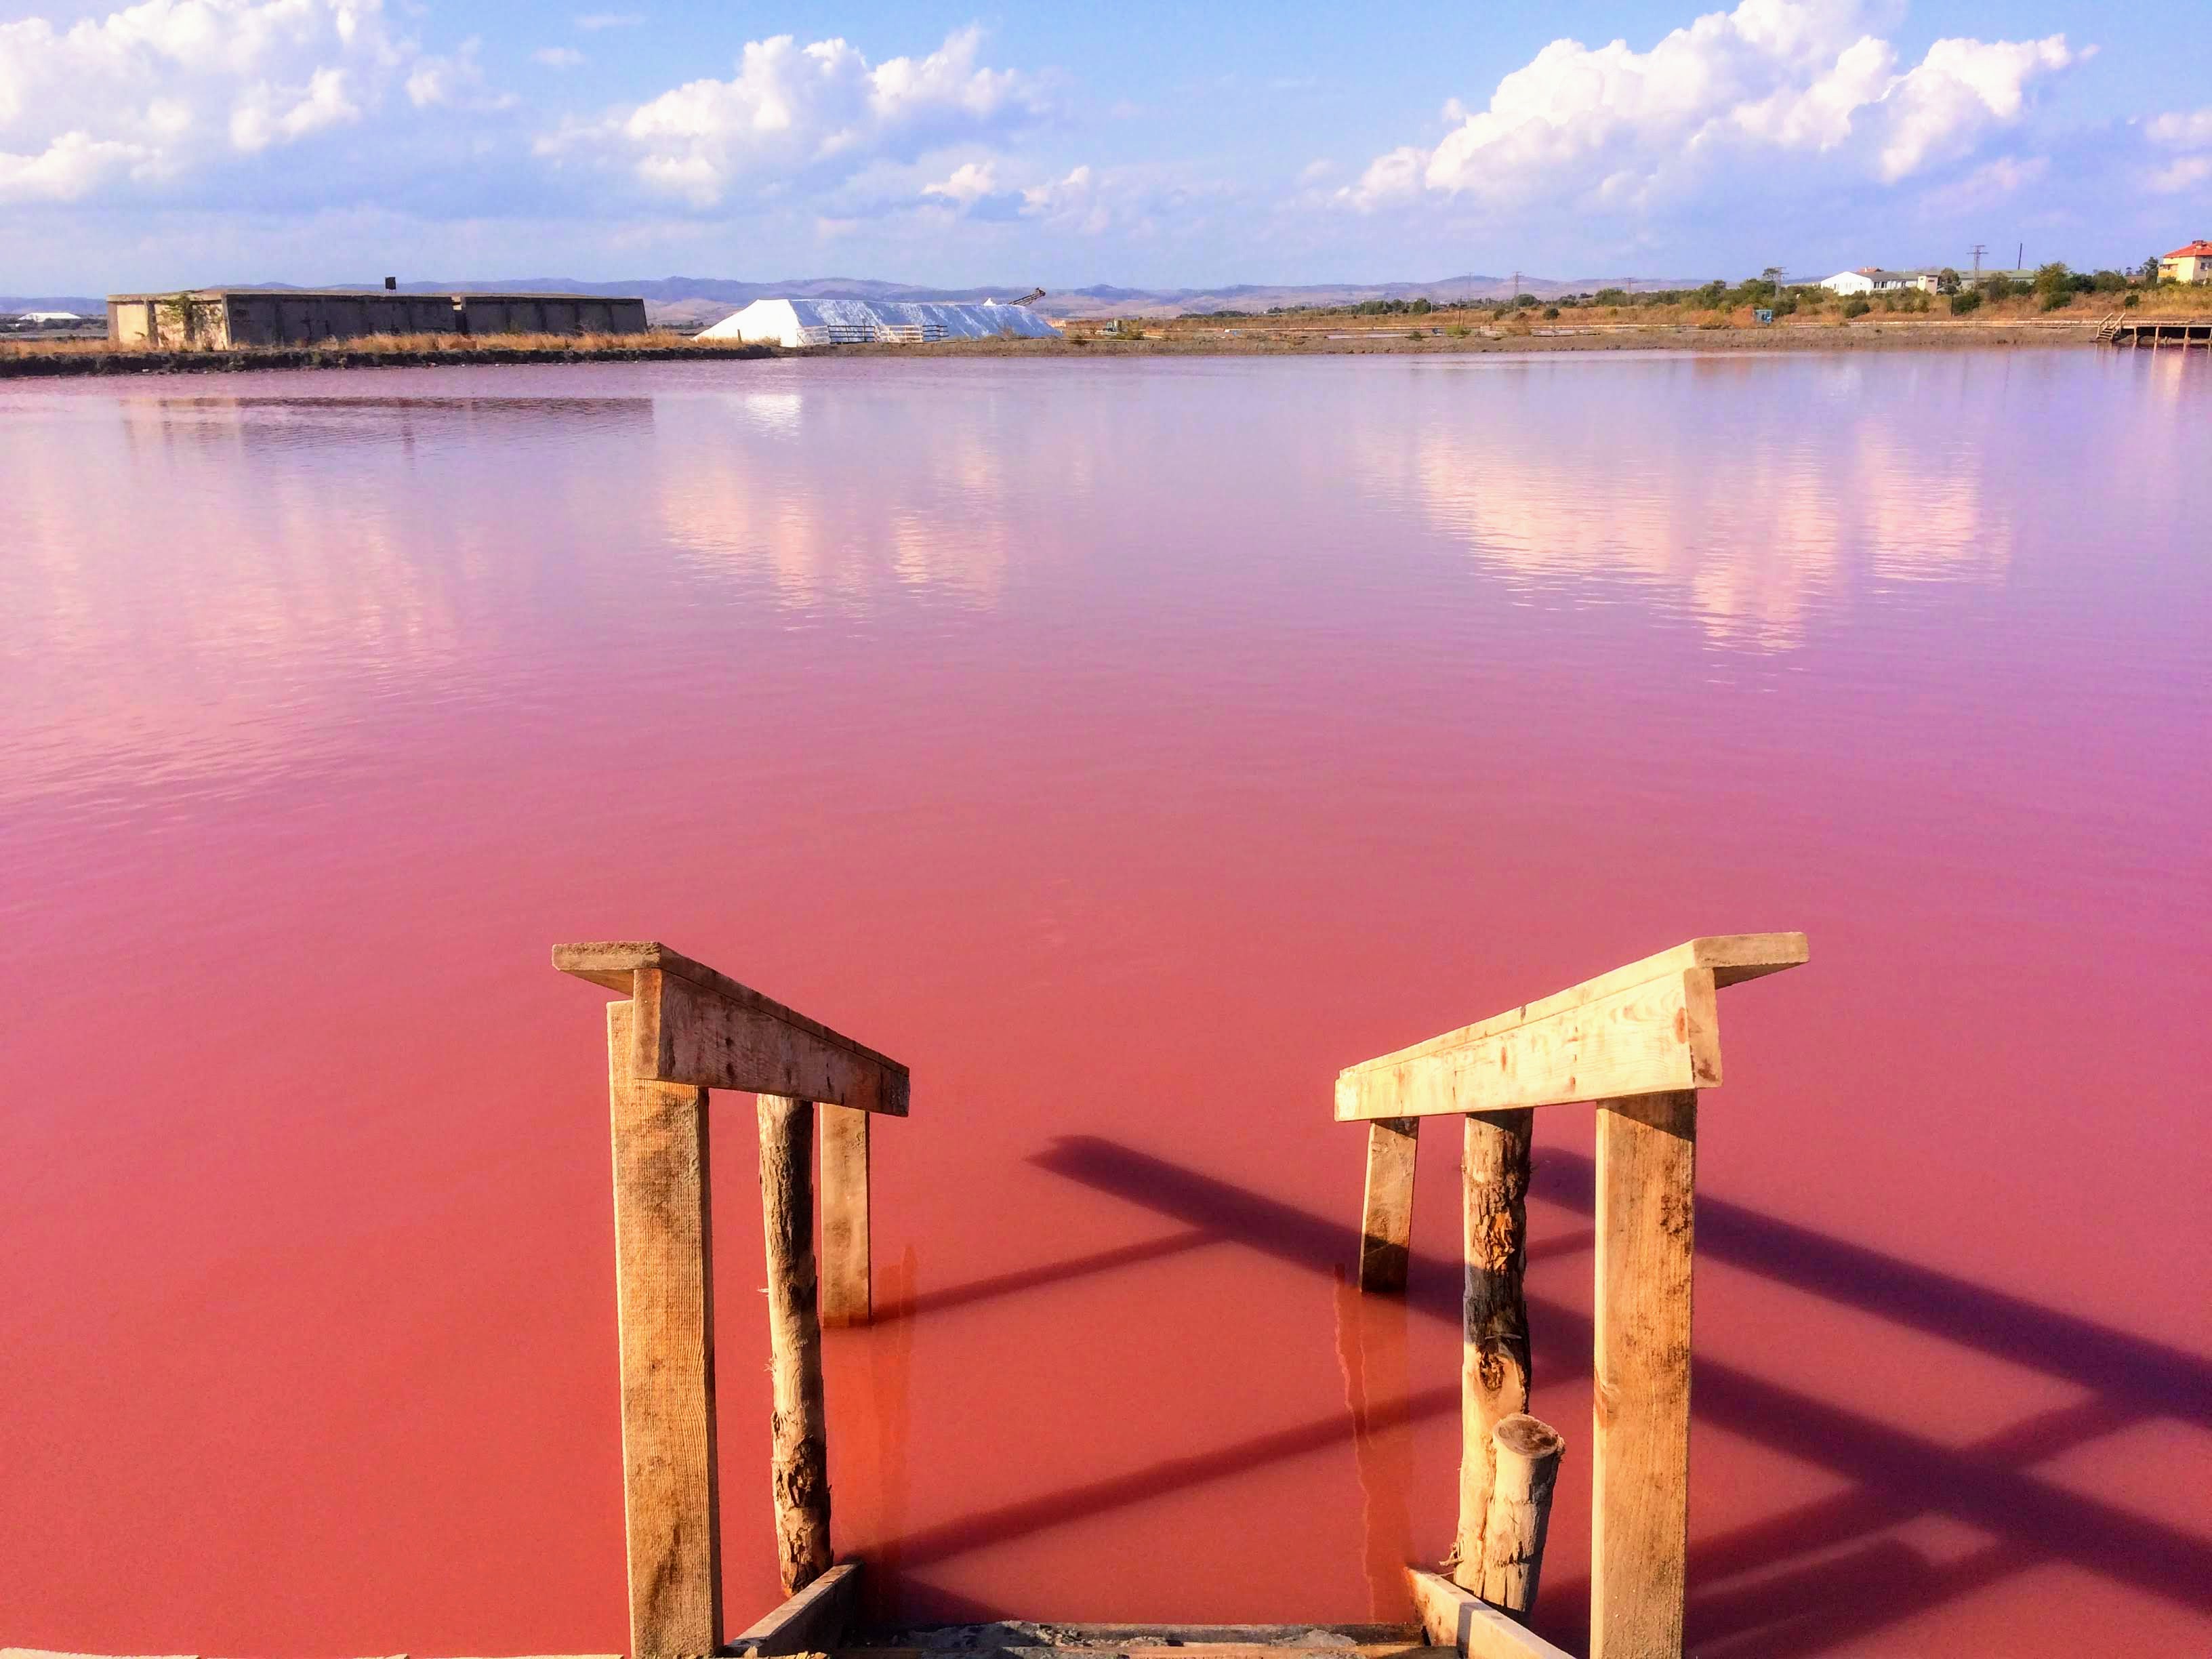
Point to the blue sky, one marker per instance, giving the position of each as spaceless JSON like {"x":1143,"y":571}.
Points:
{"x":186,"y":141}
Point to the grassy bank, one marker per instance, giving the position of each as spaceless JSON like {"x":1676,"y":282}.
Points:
{"x":65,"y":357}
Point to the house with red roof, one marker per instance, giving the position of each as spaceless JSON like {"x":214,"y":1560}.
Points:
{"x":2189,"y":263}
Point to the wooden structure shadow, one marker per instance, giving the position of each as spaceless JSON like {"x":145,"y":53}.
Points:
{"x":1641,"y":1043}
{"x":680,"y":1030}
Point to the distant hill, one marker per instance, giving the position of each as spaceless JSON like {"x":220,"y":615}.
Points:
{"x":696,"y":301}
{"x":84,"y":304}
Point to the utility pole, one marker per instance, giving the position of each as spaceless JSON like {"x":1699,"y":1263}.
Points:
{"x":1513,"y":299}
{"x":2020,"y":257}
{"x":1980,"y":249}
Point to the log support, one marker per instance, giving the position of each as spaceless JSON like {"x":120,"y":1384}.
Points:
{"x":1527,"y":1459}
{"x":665,"y":1302}
{"x":798,"y":1456}
{"x":1386,"y":1227}
{"x":1640,"y":1449}
{"x":1494,"y":1349}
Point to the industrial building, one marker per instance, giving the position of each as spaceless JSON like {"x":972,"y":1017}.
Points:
{"x":857,"y":322}
{"x":220,"y":316}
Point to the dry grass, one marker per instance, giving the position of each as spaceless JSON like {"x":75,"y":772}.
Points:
{"x":372,"y":351}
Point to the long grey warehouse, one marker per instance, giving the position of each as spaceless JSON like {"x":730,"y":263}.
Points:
{"x":221,"y":317}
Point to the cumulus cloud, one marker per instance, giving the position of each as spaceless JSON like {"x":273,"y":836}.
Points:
{"x":2186,"y":130}
{"x":151,"y":91}
{"x":1612,"y":127}
{"x":793,"y":112}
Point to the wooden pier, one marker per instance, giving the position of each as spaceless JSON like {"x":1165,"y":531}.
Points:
{"x":2155,"y":333}
{"x":1640,"y":1043}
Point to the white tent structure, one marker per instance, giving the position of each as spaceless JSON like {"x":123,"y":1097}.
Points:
{"x":853,"y":322}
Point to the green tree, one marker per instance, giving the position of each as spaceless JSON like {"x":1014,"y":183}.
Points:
{"x":1421,"y":307}
{"x":1947,"y":281}
{"x":1966,"y":300}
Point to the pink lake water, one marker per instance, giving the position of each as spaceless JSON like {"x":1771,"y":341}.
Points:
{"x":1128,"y":747}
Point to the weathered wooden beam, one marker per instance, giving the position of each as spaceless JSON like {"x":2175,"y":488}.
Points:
{"x":1494,"y":1358}
{"x":1526,"y":1468}
{"x":1386,"y":1226}
{"x":1660,"y":1035}
{"x":1452,"y":1617}
{"x":1640,"y":1452}
{"x":1623,"y":1036}
{"x":811,"y":1622}
{"x":799,"y":1452}
{"x":665,"y":1316}
{"x":846,"y":1298}
{"x":699,"y":1027}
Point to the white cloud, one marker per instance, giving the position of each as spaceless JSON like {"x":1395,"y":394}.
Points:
{"x":971,"y":181}
{"x":1612,"y":128}
{"x":153,"y":90}
{"x":2191,"y":130}
{"x":793,"y":112}
{"x":2185,"y":174}
{"x":593,"y":21}
{"x":456,"y":81}
{"x":559,"y":58}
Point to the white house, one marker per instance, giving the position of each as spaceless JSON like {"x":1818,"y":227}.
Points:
{"x":853,"y":322}
{"x":1872,"y":279}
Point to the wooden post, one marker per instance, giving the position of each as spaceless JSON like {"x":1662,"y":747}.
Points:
{"x":1386,"y":1226}
{"x":664,"y":1304}
{"x":846,"y":1298}
{"x":798,"y":1454}
{"x":1528,"y":1465}
{"x":1494,"y":1352}
{"x":1640,"y":1455}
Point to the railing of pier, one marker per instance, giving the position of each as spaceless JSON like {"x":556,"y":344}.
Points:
{"x":1640,"y":1043}
{"x":680,"y":1030}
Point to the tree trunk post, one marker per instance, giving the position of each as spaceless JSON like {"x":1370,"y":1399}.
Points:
{"x":798,"y":1456}
{"x":1640,"y":1452}
{"x":1527,"y":1463}
{"x":665,"y":1320}
{"x":1494,"y":1354}
{"x":1386,"y":1225}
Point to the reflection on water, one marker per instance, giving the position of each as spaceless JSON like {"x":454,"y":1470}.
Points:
{"x":1753,"y":523}
{"x":1126,"y":747}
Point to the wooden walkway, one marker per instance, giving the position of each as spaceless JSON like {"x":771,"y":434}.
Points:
{"x":2152,"y":333}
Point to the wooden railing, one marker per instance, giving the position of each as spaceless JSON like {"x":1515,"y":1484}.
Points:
{"x":1640,"y":1043}
{"x":682,"y":1030}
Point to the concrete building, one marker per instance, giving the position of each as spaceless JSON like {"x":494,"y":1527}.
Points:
{"x":219,"y":317}
{"x":854,"y":322}
{"x":2190,"y":263}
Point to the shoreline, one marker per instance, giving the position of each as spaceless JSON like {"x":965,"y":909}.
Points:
{"x":1195,"y":339}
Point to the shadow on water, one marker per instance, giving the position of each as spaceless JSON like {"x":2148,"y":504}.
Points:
{"x":1828,"y":1578}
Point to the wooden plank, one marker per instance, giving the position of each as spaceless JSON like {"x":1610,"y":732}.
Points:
{"x":1732,"y":957}
{"x":1640,"y":1452}
{"x":1453,"y":1617}
{"x":847,"y":1296}
{"x":798,"y":1451}
{"x":1494,"y":1359}
{"x":687,"y":1033}
{"x":664,"y":1314}
{"x":702,"y":1028}
{"x":810,"y":1621}
{"x":1386,"y":1220}
{"x":1660,"y":1036}
{"x":1526,"y":1468}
